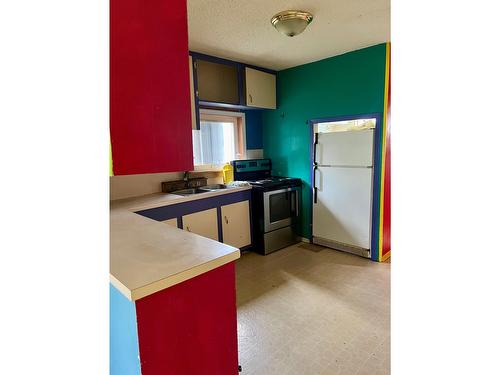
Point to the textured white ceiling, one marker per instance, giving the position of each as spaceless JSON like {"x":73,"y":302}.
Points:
{"x":241,"y":29}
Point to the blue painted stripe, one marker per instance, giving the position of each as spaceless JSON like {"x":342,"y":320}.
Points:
{"x":254,"y":128}
{"x":123,"y":340}
{"x":221,"y":60}
{"x":376,"y":190}
{"x":185,"y":208}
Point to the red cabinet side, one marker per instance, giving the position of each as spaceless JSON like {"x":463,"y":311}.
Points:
{"x":150,"y":109}
{"x":190,"y":328}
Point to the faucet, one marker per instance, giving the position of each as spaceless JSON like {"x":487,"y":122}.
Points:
{"x":186,"y":176}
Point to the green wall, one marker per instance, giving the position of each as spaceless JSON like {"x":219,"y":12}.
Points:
{"x":348,"y":84}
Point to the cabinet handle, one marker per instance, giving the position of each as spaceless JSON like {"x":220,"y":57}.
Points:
{"x":250,"y":96}
{"x":225,"y":218}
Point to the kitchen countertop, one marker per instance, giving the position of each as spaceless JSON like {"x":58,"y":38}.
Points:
{"x":147,"y":256}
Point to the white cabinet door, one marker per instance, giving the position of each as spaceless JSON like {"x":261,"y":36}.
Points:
{"x":203,"y":223}
{"x":171,"y":222}
{"x":260,"y":89}
{"x":191,"y":89}
{"x":236,"y":224}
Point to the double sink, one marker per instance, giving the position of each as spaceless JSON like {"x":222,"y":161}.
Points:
{"x":201,"y":189}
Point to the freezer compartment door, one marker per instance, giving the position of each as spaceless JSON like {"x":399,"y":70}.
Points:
{"x":342,"y":212}
{"x":349,"y":148}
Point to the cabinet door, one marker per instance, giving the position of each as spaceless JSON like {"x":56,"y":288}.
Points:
{"x":236,"y":224}
{"x":150,"y":112}
{"x":171,"y":222}
{"x":260,"y":89}
{"x":203,"y":223}
{"x":217,"y":82}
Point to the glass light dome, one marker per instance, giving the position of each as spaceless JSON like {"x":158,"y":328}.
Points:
{"x":291,"y":22}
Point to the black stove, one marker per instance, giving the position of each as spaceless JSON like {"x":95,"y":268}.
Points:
{"x":275,"y":204}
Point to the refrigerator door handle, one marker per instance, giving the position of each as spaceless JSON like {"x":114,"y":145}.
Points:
{"x":315,"y":148}
{"x":314,"y":184}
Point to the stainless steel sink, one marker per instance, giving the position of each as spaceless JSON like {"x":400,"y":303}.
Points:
{"x":214,"y":187}
{"x":187,"y":192}
{"x":199,"y":190}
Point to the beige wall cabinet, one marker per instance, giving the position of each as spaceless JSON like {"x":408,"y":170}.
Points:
{"x":236,"y":224}
{"x":203,"y":223}
{"x":260,"y":89}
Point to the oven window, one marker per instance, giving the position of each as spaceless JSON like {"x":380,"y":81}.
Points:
{"x":280,"y":206}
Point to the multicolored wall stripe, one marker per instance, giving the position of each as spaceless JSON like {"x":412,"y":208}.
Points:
{"x":384,"y":250}
{"x":381,"y":240}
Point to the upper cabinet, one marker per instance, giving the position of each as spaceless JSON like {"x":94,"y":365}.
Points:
{"x":150,"y":111}
{"x":260,"y":89}
{"x":217,"y":82}
{"x":231,"y":84}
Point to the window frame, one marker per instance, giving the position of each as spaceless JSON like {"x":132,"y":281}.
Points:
{"x":238,"y":119}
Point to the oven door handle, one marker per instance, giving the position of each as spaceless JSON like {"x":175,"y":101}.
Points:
{"x":294,"y":202}
{"x":297,"y":202}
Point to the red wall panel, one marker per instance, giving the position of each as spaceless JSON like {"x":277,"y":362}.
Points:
{"x":190,"y":328}
{"x":150,"y":113}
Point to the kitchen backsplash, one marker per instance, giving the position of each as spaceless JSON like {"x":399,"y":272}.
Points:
{"x":121,"y":187}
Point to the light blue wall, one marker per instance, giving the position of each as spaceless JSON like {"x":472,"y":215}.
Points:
{"x":124,"y":343}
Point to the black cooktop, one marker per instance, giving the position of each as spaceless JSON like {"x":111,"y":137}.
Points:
{"x":276,"y":181}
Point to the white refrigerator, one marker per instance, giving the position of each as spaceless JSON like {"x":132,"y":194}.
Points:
{"x":342,"y":190}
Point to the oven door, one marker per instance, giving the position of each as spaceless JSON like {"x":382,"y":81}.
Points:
{"x":281,"y":207}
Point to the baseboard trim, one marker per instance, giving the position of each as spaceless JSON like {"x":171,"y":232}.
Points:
{"x":365,"y":253}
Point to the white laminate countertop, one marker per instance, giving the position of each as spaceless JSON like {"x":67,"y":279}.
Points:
{"x":147,"y":256}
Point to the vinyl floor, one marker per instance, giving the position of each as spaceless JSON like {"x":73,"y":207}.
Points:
{"x":307,"y":310}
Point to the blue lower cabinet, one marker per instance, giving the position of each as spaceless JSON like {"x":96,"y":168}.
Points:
{"x":124,"y":343}
{"x":224,"y":218}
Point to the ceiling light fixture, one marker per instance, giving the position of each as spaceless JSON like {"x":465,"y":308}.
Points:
{"x":291,"y":22}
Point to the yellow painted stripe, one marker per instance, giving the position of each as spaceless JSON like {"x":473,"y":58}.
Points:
{"x":384,"y":129}
{"x":386,"y":256}
{"x":110,"y":160}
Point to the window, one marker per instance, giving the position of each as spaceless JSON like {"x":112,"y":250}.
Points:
{"x":346,"y":125}
{"x":220,"y":138}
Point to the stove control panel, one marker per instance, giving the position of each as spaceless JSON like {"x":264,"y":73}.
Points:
{"x":252,"y":165}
